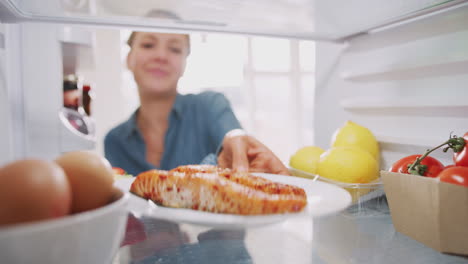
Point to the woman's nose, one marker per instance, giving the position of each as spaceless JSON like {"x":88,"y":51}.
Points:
{"x":160,"y":54}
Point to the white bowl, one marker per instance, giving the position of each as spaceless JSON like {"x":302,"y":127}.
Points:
{"x":88,"y":237}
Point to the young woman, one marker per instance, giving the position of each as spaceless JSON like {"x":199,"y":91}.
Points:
{"x":170,"y":129}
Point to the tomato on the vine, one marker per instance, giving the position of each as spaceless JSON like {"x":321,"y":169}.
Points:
{"x":456,"y":175}
{"x":429,"y":166}
{"x":461,"y":158}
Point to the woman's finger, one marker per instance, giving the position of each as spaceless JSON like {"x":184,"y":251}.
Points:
{"x":279,"y":168}
{"x":240,"y":161}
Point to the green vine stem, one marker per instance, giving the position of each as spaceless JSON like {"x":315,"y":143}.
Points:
{"x":455,"y":143}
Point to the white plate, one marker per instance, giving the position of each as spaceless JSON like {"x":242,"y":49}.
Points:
{"x":322,"y":199}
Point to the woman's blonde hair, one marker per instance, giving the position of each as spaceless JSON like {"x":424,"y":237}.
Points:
{"x":159,"y":13}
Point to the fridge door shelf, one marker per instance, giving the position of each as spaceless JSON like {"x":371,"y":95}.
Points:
{"x":77,"y":131}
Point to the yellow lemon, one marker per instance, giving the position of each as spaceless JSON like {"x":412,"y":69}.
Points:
{"x":306,"y":159}
{"x":352,"y":134}
{"x":348,"y":164}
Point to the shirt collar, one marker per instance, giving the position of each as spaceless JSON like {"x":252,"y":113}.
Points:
{"x":178,"y":106}
{"x":131,"y":125}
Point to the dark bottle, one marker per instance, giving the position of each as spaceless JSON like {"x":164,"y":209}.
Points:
{"x":71,"y":94}
{"x":87,"y":97}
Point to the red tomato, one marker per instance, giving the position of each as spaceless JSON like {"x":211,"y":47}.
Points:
{"x":456,"y":175}
{"x":431,"y":167}
{"x":118,"y":171}
{"x":461,"y":158}
{"x":449,"y":166}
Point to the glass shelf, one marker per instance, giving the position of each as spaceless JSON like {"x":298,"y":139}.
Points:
{"x":328,"y":20}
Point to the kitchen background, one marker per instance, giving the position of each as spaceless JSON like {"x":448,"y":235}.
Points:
{"x":269,"y":81}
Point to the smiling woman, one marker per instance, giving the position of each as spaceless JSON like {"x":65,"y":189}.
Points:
{"x":165,"y":117}
{"x":170,"y":129}
{"x":261,"y":77}
{"x":157,"y":61}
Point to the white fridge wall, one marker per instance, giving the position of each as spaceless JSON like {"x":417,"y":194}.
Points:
{"x":109,"y":106}
{"x":407,"y":85}
{"x":11,"y":99}
{"x":5,"y":121}
{"x":31,"y":92}
{"x":42,"y":87}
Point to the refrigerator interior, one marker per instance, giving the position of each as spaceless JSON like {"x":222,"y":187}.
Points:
{"x":406,"y":84}
{"x":33,"y":68}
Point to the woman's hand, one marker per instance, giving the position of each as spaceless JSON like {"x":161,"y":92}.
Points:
{"x":242,"y":152}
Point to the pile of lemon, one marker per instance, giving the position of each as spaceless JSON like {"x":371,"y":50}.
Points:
{"x":352,"y":158}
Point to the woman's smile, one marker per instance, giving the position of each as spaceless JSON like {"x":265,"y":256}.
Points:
{"x":157,"y":72}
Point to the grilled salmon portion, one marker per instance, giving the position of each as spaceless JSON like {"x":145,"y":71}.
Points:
{"x":214,"y":190}
{"x":248,"y":180}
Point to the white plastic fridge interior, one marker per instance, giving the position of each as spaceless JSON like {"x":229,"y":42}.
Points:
{"x":34,"y":122}
{"x":398,"y":68}
{"x":407,"y":84}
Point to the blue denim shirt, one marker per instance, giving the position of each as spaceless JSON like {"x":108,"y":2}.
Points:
{"x":197,"y":125}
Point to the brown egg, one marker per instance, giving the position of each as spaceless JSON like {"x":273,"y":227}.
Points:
{"x":91,"y":179}
{"x":32,"y":190}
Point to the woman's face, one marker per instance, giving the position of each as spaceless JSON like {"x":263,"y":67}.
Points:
{"x":157,"y":61}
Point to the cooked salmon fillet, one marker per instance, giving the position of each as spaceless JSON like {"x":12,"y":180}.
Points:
{"x":208,"y":188}
{"x":248,"y":180}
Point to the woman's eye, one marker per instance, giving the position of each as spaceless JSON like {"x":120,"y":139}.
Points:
{"x":147,"y":45}
{"x":176,"y":50}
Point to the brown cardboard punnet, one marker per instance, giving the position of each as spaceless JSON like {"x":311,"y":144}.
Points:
{"x":431,"y":212}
